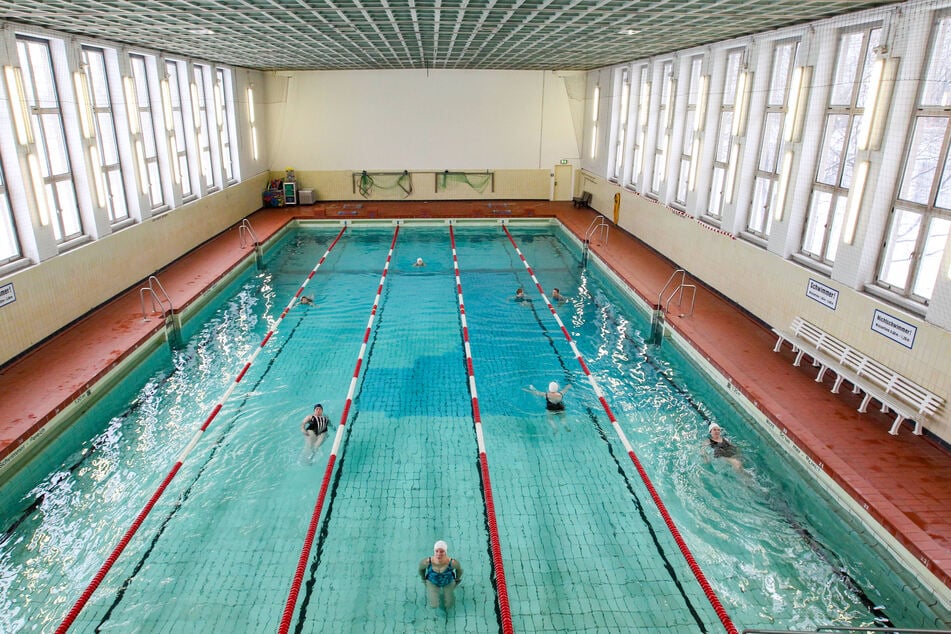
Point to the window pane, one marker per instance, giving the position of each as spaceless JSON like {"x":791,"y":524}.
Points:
{"x":902,"y":237}
{"x":850,"y":47}
{"x":833,"y":146}
{"x":838,"y":216}
{"x":816,"y":223}
{"x":759,"y":208}
{"x":931,"y":255}
{"x":769,"y":153}
{"x":716,"y":191}
{"x":922,"y":161}
{"x":869,"y":62}
{"x":944,"y":187}
{"x":936,"y":89}
{"x":723,"y":136}
{"x":851,"y":149}
{"x":782,"y":64}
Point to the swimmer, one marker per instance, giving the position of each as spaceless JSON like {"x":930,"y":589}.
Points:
{"x":314,"y":428}
{"x":557,"y":297}
{"x":520,"y":295}
{"x":308,"y":301}
{"x":419,"y":262}
{"x":440,"y":574}
{"x":722,"y":448}
{"x":553,"y":397}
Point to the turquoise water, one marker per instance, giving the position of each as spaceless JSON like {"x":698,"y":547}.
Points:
{"x":583,"y":546}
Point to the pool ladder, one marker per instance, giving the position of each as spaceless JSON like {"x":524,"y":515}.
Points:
{"x":161,"y":303}
{"x":247,"y":237}
{"x":662,"y":307}
{"x":599,"y":228}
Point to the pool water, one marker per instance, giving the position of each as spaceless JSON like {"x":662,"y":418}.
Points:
{"x":584,"y":547}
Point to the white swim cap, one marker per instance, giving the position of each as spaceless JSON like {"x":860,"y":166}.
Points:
{"x":419,"y":260}
{"x":440,"y":545}
{"x":713,"y":426}
{"x":553,"y":387}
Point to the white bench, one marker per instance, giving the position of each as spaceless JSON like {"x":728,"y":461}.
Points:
{"x":895,"y":392}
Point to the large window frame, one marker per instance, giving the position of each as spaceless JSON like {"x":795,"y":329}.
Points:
{"x":60,"y":206}
{"x":920,"y":221}
{"x":772,"y":144}
{"x":825,"y":217}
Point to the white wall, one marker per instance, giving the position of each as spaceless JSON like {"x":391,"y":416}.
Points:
{"x":418,"y":120}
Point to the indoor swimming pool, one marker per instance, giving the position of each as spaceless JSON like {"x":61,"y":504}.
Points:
{"x":583,"y":545}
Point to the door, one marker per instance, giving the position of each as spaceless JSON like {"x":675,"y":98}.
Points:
{"x":562,"y":188}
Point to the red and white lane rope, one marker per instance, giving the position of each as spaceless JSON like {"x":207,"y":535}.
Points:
{"x":315,"y":516}
{"x":117,"y":551}
{"x":505,"y":613}
{"x":694,"y":566}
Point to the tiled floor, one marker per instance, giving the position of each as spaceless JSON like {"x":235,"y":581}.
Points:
{"x":904,"y":481}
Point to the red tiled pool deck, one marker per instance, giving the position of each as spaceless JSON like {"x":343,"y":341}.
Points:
{"x":903,"y":481}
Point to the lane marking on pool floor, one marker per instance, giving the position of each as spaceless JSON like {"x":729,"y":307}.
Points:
{"x":338,"y":436}
{"x":505,"y":614}
{"x":140,"y":518}
{"x":674,"y":531}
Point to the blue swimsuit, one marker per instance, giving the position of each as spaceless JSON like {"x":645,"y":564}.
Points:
{"x":440,"y":579}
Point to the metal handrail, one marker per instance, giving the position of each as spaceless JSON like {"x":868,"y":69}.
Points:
{"x":596,"y":225}
{"x":157,"y":302}
{"x":245,"y":229}
{"x":680,"y":289}
{"x":836,"y":628}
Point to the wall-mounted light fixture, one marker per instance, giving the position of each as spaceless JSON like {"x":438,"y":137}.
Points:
{"x":254,"y":130}
{"x":81,"y":84}
{"x":671,"y":93}
{"x":21,"y":112}
{"x":173,"y":156}
{"x":730,"y":181}
{"x":220,"y":103}
{"x":167,"y":104}
{"x":131,"y":104}
{"x":780,"y":201}
{"x":856,"y":193}
{"x":96,"y":163}
{"x":741,"y":102}
{"x":196,"y":109}
{"x":694,"y":162}
{"x":877,"y":102}
{"x":798,"y":100}
{"x":701,"y":112}
{"x":39,"y":189}
{"x":142,"y":167}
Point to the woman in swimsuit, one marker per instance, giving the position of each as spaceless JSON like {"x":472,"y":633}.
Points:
{"x":440,"y":574}
{"x":553,"y":397}
{"x":723,"y":448}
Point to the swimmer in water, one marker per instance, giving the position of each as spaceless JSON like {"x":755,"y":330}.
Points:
{"x":440,"y":574}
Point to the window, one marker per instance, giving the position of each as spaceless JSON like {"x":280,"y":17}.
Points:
{"x":201,"y":83}
{"x":917,"y":236}
{"x":624,"y":88}
{"x":766,"y":177}
{"x":665,"y":112}
{"x":147,"y":147}
{"x":724,"y":147}
{"x":640,"y":130}
{"x":830,"y":191}
{"x":107,"y":171}
{"x":225,"y":117}
{"x":691,"y":144}
{"x":59,"y":205}
{"x":9,"y":241}
{"x":175,"y":124}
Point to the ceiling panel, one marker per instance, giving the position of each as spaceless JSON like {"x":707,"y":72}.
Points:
{"x":412,"y":34}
